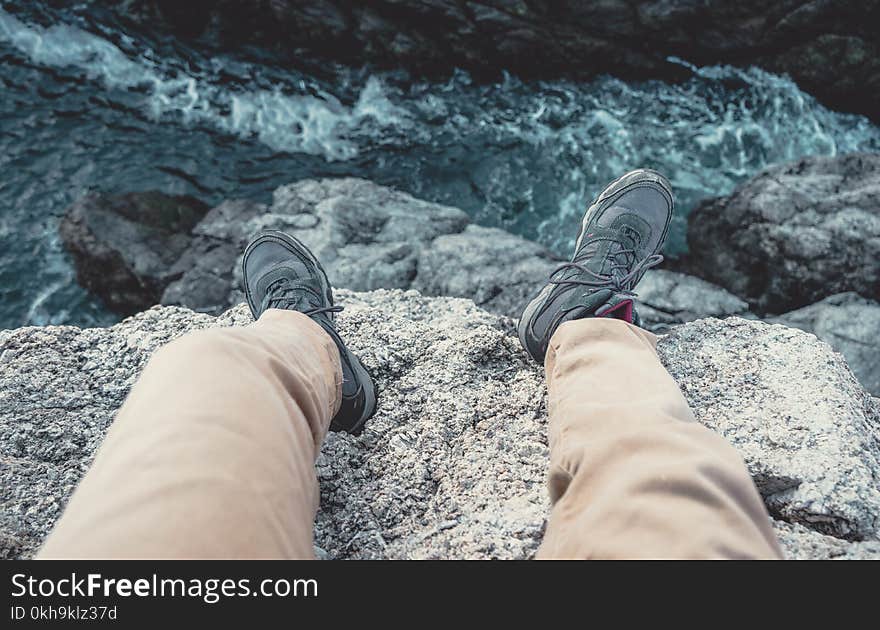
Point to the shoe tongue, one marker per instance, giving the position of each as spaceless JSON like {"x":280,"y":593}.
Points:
{"x":304,"y":293}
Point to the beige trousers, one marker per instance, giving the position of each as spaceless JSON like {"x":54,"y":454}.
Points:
{"x":212,"y":454}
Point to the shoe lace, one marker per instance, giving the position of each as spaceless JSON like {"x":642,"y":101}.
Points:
{"x":281,"y":294}
{"x":622,"y":283}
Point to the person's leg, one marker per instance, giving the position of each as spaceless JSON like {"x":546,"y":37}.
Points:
{"x":632,"y":474}
{"x":212,"y":454}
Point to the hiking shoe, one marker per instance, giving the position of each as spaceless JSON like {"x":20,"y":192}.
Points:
{"x":620,"y":239}
{"x":281,"y":272}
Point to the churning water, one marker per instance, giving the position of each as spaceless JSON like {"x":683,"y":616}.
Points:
{"x":85,"y":106}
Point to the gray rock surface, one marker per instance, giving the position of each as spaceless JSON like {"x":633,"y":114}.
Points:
{"x":850,"y":324}
{"x":669,"y":298}
{"x":497,"y":270}
{"x":831,"y":48}
{"x":365,"y":235}
{"x":794,"y":234}
{"x":789,"y":404}
{"x":124,"y":245}
{"x":129,"y":248}
{"x":806,"y":544}
{"x":453,"y":463}
{"x":370,"y":237}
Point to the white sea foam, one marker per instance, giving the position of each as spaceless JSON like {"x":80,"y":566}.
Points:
{"x":298,"y":123}
{"x":604,"y":125}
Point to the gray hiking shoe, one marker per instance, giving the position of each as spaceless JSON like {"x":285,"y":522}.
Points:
{"x":281,"y":272}
{"x":620,"y":239}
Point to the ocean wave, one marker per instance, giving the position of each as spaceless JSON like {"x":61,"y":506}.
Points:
{"x":765,"y":118}
{"x":316,"y":124}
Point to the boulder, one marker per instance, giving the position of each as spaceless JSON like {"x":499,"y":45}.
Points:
{"x":367,"y":237}
{"x":850,"y":324}
{"x":794,"y":234}
{"x":453,"y":463}
{"x":792,"y":408}
{"x":123,"y":246}
{"x":830,"y":48}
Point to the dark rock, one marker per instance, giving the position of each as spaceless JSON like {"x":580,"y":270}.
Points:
{"x":204,"y":274}
{"x":793,"y":234}
{"x":123,"y":246}
{"x":830,"y":48}
{"x":850,"y":324}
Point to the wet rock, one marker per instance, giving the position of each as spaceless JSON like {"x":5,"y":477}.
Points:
{"x":793,"y":234}
{"x":123,"y":246}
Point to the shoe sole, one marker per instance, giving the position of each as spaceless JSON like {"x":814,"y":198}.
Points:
{"x":369,"y":396}
{"x":610,"y":193}
{"x":299,"y":247}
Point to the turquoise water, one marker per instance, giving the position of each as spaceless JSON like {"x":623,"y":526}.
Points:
{"x":87,"y":106}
